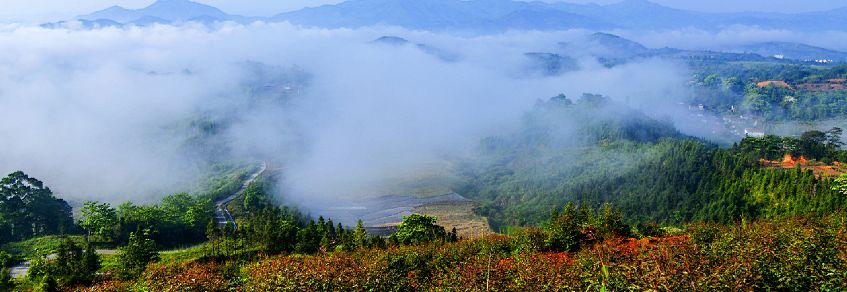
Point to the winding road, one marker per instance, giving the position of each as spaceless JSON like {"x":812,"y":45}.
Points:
{"x":222,"y":216}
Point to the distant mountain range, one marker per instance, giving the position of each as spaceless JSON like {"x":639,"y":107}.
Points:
{"x":487,"y":16}
{"x":612,"y":49}
{"x":492,"y":16}
{"x":161,"y":12}
{"x":478,"y":16}
{"x":439,"y":15}
{"x":795,"y":51}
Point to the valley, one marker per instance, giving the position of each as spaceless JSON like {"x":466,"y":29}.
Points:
{"x":422,"y":145}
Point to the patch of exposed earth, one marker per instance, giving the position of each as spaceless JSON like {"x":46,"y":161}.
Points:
{"x":382,"y":214}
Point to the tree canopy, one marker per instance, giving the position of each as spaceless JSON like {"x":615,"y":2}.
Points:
{"x":28,"y":208}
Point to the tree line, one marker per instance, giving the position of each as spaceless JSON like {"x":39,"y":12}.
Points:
{"x":650,"y":173}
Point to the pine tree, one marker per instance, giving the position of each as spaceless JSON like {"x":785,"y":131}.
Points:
{"x":360,"y":235}
{"x":134,"y":257}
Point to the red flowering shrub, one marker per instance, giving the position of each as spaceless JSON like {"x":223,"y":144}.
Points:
{"x":184,"y":277}
{"x":795,"y":254}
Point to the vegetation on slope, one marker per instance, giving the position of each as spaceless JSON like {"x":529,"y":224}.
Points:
{"x":800,"y":253}
{"x":579,"y":152}
{"x":802,"y":92}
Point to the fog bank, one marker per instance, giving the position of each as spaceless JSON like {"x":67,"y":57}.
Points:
{"x":112,"y":114}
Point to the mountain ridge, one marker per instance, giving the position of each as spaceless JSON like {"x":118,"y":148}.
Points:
{"x":488,"y":14}
{"x":484,"y":16}
{"x":164,"y":11}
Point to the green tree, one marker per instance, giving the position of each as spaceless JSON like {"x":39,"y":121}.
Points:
{"x":308,"y":238}
{"x":5,"y":259}
{"x":6,"y":283}
{"x":134,"y":257}
{"x":712,"y":81}
{"x":255,"y":198}
{"x":841,"y":184}
{"x":75,"y":264}
{"x":733,"y":84}
{"x":610,"y":223}
{"x":40,"y":267}
{"x":99,"y":220}
{"x":188,"y":210}
{"x":28,"y":208}
{"x":813,"y":144}
{"x":417,"y":228}
{"x":90,"y":262}
{"x":563,"y":229}
{"x":359,"y":235}
{"x":48,"y":284}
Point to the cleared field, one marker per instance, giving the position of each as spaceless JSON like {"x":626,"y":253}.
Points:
{"x":459,"y":215}
{"x":821,"y":170}
{"x":381,"y":214}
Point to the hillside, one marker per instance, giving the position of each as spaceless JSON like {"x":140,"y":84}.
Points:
{"x":643,"y":166}
{"x":795,"y":51}
{"x":164,"y":11}
{"x":479,"y":16}
{"x":440,"y":15}
{"x":485,"y":16}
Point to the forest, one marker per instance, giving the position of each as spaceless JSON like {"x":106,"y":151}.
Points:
{"x":423,"y":145}
{"x":644,"y":167}
{"x":809,"y":93}
{"x":605,"y":210}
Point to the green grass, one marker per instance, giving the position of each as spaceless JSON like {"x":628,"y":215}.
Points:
{"x":185,"y":254}
{"x":33,"y":247}
{"x":108,"y":262}
{"x":224,"y":179}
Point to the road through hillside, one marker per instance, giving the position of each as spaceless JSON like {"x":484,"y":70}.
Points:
{"x":222,"y":216}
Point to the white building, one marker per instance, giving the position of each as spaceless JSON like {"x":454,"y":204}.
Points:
{"x":754,"y":132}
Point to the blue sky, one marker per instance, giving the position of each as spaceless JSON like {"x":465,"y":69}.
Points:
{"x":53,"y":9}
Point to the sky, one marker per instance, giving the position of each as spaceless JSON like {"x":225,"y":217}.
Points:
{"x":48,"y":10}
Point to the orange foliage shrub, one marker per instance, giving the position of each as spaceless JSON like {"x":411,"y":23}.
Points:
{"x":793,"y":254}
{"x":185,"y":277}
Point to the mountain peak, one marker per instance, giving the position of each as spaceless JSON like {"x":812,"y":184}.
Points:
{"x":180,"y":4}
{"x":177,"y":2}
{"x":164,"y":11}
{"x":638,"y":4}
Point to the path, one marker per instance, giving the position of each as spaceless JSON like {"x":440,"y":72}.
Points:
{"x":222,"y":215}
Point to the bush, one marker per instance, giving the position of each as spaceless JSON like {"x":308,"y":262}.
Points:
{"x":610,"y":223}
{"x":72,"y":265}
{"x":134,"y":257}
{"x":5,"y":259}
{"x":703,"y":233}
{"x":417,"y":228}
{"x":801,"y":254}
{"x":563,"y":230}
{"x":6,"y":283}
{"x":185,"y":277}
{"x":650,"y":230}
{"x":528,"y":240}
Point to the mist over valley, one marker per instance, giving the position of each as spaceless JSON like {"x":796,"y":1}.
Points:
{"x":179,"y":139}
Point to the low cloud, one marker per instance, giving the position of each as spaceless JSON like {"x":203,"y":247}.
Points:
{"x":105,"y":113}
{"x":733,"y":37}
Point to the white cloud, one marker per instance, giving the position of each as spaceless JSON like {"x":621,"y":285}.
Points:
{"x":82,"y":111}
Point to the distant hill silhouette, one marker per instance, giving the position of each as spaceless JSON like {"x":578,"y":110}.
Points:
{"x":498,"y":15}
{"x":164,"y":12}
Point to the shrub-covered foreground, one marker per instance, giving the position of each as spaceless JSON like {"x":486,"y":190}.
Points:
{"x":788,"y":254}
